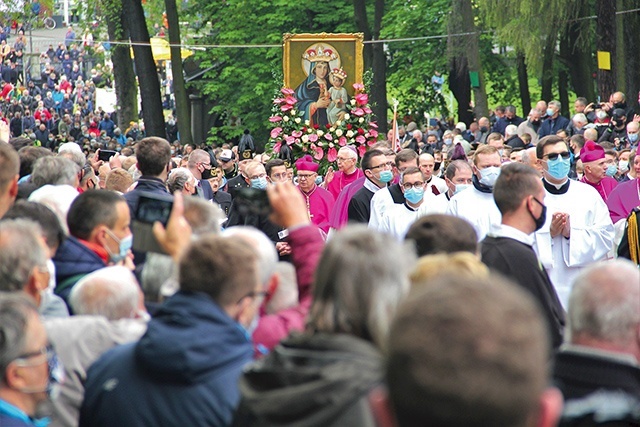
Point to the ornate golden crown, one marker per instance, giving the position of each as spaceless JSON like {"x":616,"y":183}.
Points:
{"x":319,"y":54}
{"x":340,"y":73}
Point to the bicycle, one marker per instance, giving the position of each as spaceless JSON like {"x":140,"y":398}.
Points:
{"x":49,"y":23}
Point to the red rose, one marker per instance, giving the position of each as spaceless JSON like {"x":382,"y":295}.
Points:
{"x":328,"y":126}
{"x":361,"y":131}
{"x":349,"y":126}
{"x":316,"y":127}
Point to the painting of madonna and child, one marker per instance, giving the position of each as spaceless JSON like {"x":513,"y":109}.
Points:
{"x":322,"y":69}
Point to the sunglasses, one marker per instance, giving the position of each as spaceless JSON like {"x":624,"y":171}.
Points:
{"x":554,"y":156}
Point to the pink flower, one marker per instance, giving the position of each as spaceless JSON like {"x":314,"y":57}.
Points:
{"x":286,"y":107}
{"x":275,"y":132}
{"x":357,"y":112}
{"x":342,"y":141}
{"x":373,"y":125}
{"x":290,"y":140}
{"x":328,"y":137}
{"x":319,"y":153}
{"x":367,"y":110}
{"x":290,"y":100}
{"x":358,"y":86}
{"x":332,"y":155}
{"x":275,"y":119}
{"x":360,"y":139}
{"x":362,"y":98}
{"x":361,"y":150}
{"x":373,"y":133}
{"x":278,"y":101}
{"x":371,"y":142}
{"x":313,"y":137}
{"x":276,"y":147}
{"x":286,"y":91}
{"x":296,"y":133}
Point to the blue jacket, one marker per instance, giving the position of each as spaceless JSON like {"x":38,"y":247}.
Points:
{"x":551,"y":126}
{"x":73,"y":260}
{"x":145,"y":183}
{"x":184,"y":371}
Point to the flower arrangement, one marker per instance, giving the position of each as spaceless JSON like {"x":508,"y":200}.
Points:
{"x":288,"y":128}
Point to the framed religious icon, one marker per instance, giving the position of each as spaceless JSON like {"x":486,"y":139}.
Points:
{"x":321,"y":69}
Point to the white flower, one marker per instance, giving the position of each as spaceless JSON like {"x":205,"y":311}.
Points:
{"x":347,"y":116}
{"x":305,"y":138}
{"x":298,"y":120}
{"x":338,"y":123}
{"x":285,"y":118}
{"x":306,"y":122}
{"x":360,"y":120}
{"x":366,"y":134}
{"x":332,"y":129}
{"x":320,"y":132}
{"x":339,"y":133}
{"x":353,"y":102}
{"x":349,"y":133}
{"x":294,"y":112}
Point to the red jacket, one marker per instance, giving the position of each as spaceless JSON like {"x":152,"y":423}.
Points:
{"x":43,"y":115}
{"x":306,"y":247}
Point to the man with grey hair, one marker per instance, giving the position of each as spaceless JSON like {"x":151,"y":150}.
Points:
{"x":554,"y":121}
{"x":530,"y":158}
{"x":511,"y":137}
{"x":110,"y":309}
{"x":531,"y":125}
{"x":52,"y":170}
{"x":200,"y":166}
{"x":603,"y":349}
{"x":29,"y":370}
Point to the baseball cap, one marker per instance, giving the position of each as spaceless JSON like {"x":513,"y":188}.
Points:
{"x":226,"y":155}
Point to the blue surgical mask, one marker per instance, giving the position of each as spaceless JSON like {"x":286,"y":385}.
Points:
{"x":550,"y":112}
{"x":386,"y":176}
{"x":318,"y":180}
{"x":223,"y":182}
{"x":124,"y":245}
{"x":612,"y":170}
{"x":259,"y":183}
{"x":448,"y":141}
{"x":633,"y":137}
{"x":414,"y":195}
{"x":461,"y":187}
{"x":559,"y":168}
{"x":488,"y":176}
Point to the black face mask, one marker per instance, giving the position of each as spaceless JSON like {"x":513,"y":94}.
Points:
{"x":542,"y":218}
{"x":436,"y":166}
{"x":484,"y":129}
{"x":622,"y":105}
{"x":206,"y":174}
{"x":535,"y":122}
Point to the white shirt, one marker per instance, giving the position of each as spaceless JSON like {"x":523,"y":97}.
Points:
{"x":439,"y":183}
{"x":591,"y":236}
{"x":398,"y":219}
{"x":476,"y":207}
{"x":379,"y":204}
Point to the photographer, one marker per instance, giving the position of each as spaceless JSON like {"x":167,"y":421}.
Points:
{"x":616,"y":132}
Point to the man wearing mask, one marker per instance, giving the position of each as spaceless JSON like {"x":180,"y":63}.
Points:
{"x":616,"y":132}
{"x":519,"y":195}
{"x":476,"y":204}
{"x":578,"y":230}
{"x":319,"y":201}
{"x":596,"y":171}
{"x":99,"y":235}
{"x":29,"y":368}
{"x":378,"y":172}
{"x":457,"y":177}
{"x":633,"y":129}
{"x":554,"y":121}
{"x":484,"y":127}
{"x":510,"y":118}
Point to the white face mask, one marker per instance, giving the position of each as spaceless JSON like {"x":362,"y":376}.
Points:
{"x":51,"y":267}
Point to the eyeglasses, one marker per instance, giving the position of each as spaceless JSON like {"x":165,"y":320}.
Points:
{"x":306,"y":176}
{"x":416,"y":185}
{"x":254,"y":294}
{"x":344,"y":159}
{"x":553,"y":156}
{"x":206,"y":165}
{"x":262,"y":175}
{"x":383,"y":165}
{"x":44,"y":351}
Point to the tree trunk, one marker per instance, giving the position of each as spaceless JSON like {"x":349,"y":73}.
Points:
{"x":523,"y":83}
{"x":580,"y":56}
{"x":619,"y":68}
{"x":374,"y":58}
{"x":457,"y":49}
{"x":473,"y":56}
{"x":632,"y":59}
{"x":547,"y":67}
{"x":146,"y":70}
{"x":563,"y":77}
{"x":179,"y":89}
{"x":123,"y":75}
{"x":606,"y":42}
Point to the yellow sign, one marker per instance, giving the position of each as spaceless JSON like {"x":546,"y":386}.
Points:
{"x":604,"y":60}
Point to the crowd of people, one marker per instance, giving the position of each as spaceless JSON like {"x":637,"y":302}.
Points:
{"x":431,"y":280}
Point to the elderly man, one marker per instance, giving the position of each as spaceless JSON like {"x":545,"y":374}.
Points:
{"x":519,"y":195}
{"x":512,"y":139}
{"x":452,"y":362}
{"x":554,"y":121}
{"x":602,"y":356}
{"x":595,"y":169}
{"x":319,"y":201}
{"x":193,"y":351}
{"x":110,"y":311}
{"x":578,"y":230}
{"x":476,"y":204}
{"x":29,"y":368}
{"x":348,"y":171}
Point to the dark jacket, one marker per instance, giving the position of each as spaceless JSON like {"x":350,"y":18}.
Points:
{"x":551,"y":126}
{"x":145,"y":183}
{"x":73,"y":260}
{"x":502,"y":123}
{"x":183,"y":372}
{"x":311,"y":380}
{"x":235,"y":183}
